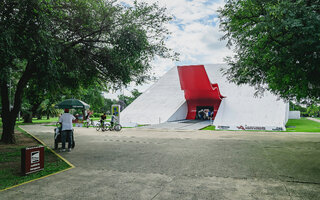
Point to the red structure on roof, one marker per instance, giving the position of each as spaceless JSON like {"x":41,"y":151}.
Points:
{"x":198,"y":90}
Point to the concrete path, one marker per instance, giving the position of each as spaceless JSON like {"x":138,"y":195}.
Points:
{"x":313,"y":119}
{"x":180,"y":125}
{"x":153,"y":164}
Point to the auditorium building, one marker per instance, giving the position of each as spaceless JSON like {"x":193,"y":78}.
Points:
{"x":201,"y":92}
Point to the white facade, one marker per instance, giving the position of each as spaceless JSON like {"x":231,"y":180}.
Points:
{"x":294,"y":114}
{"x":157,"y":104}
{"x":164,"y":101}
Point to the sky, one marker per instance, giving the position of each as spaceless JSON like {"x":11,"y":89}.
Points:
{"x":195,"y":36}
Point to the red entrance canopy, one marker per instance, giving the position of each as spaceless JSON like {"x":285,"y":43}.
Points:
{"x":198,"y":90}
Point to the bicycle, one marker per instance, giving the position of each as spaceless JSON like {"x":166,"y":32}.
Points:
{"x":87,"y":124}
{"x":115,"y":127}
{"x":102,"y":127}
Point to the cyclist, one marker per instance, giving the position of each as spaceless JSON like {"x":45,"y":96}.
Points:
{"x":113,"y":120}
{"x":88,"y":120}
{"x":102,"y":118}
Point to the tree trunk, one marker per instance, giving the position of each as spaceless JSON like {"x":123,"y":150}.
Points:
{"x":9,"y":123}
{"x":27,"y":117}
{"x":8,"y":119}
{"x":9,"y":115}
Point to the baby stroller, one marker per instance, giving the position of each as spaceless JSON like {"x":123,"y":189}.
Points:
{"x":57,"y":137}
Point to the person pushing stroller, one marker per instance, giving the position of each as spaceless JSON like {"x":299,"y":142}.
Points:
{"x":66,"y":130}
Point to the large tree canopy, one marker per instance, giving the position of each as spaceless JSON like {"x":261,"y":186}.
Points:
{"x":277,"y":45}
{"x":55,"y":44}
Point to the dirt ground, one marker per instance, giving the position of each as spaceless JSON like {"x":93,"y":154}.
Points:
{"x":21,"y":139}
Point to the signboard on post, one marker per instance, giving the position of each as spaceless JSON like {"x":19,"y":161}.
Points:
{"x":32,"y":159}
{"x":115,"y":110}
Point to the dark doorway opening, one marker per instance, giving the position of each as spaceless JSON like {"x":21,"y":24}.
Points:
{"x":204,"y":112}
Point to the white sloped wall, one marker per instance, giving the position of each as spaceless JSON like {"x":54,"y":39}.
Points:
{"x":242,"y":108}
{"x":158,"y":103}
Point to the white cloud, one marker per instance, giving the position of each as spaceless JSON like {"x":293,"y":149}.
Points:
{"x":195,"y":34}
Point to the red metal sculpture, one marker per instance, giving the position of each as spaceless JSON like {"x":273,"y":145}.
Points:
{"x":198,"y":90}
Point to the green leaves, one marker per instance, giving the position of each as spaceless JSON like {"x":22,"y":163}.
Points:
{"x":276,"y":43}
{"x":50,"y":47}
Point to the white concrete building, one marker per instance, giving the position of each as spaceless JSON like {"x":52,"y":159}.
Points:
{"x":239,"y":109}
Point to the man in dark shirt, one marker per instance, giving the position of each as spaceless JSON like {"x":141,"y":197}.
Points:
{"x":102,"y":118}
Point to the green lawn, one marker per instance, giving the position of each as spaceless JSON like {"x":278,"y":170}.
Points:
{"x":10,"y":173}
{"x":209,"y":128}
{"x":45,"y":120}
{"x":302,"y":125}
{"x":10,"y":160}
{"x":35,"y":121}
{"x":294,"y":125}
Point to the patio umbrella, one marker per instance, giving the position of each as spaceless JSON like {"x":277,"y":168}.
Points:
{"x":72,"y":104}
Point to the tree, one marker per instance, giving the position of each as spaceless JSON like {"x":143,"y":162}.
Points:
{"x":71,"y":43}
{"x":276,"y":44}
{"x":47,"y":108}
{"x":313,"y":110}
{"x":127,"y":100}
{"x":107,"y":106}
{"x":92,"y":95}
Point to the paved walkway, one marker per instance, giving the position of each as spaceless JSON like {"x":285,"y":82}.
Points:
{"x":313,"y":119}
{"x":164,"y":164}
{"x":180,"y":125}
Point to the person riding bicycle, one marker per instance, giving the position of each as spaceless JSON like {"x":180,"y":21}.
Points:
{"x":88,"y":120}
{"x":102,"y":118}
{"x":113,"y":120}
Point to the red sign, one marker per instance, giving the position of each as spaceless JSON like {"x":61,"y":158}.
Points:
{"x":32,"y":159}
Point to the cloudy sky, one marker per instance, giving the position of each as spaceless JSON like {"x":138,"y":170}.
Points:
{"x":195,"y":35}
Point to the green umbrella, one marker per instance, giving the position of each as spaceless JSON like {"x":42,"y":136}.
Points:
{"x":72,"y":104}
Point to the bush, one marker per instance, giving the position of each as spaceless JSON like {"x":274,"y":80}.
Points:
{"x":96,"y":114}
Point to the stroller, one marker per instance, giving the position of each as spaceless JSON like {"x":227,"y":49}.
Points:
{"x":57,"y":137}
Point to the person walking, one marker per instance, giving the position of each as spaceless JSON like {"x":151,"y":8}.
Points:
{"x":66,"y":130}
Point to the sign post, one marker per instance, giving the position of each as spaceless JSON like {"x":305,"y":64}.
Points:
{"x":115,"y":110}
{"x":32,"y":159}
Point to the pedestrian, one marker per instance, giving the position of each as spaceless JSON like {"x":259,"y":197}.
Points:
{"x":201,"y":114}
{"x":66,"y":130}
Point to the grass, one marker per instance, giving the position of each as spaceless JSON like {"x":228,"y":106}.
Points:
{"x":10,"y":168}
{"x":39,"y":121}
{"x":35,"y":121}
{"x":45,"y":120}
{"x":293,"y":125}
{"x":10,"y":161}
{"x":302,"y":125}
{"x":209,"y":128}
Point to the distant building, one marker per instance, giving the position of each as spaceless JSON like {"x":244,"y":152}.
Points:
{"x":185,"y":92}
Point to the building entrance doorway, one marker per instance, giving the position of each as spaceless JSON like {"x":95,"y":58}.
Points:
{"x":204,"y":112}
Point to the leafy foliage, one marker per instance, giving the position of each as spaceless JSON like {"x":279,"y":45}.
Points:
{"x":127,"y":100}
{"x":277,"y":45}
{"x":312,"y":110}
{"x":51,"y":47}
